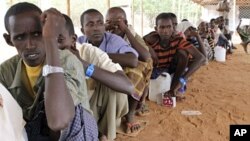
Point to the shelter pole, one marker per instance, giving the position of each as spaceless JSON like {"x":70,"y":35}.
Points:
{"x":178,"y":11}
{"x":132,"y":12}
{"x":108,"y":3}
{"x":234,"y":14}
{"x":142,"y":17}
{"x":68,"y":8}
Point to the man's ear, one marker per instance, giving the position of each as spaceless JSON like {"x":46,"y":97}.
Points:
{"x":126,"y":22}
{"x":155,"y":28}
{"x":74,"y":39}
{"x":82,"y":30}
{"x":7,"y":39}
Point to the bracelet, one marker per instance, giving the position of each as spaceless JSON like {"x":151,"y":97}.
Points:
{"x":183,"y":81}
{"x":47,"y":69}
{"x":90,"y":70}
{"x":183,"y":87}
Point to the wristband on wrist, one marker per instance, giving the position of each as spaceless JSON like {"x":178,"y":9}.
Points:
{"x":90,"y":70}
{"x":183,"y":85}
{"x":47,"y":69}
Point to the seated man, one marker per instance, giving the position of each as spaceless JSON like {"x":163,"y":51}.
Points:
{"x":118,"y":50}
{"x":244,"y":34}
{"x":110,"y":78}
{"x":54,"y":100}
{"x":116,"y":22}
{"x":219,"y":37}
{"x":206,"y":34}
{"x":164,"y":46}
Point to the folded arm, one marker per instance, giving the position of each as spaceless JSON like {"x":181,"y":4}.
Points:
{"x":125,"y":60}
{"x":117,"y":81}
{"x":59,"y":106}
{"x":197,"y":60}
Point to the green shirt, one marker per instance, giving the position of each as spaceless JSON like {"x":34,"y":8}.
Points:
{"x":245,"y":36}
{"x":13,"y":76}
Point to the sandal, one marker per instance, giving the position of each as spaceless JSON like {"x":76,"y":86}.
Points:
{"x":135,"y":127}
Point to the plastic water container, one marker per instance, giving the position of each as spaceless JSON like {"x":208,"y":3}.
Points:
{"x":158,"y":86}
{"x":220,"y":54}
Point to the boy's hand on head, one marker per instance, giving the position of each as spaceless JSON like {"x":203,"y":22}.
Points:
{"x":53,"y":22}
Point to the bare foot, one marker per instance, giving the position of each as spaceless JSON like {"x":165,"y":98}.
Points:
{"x":133,"y":127}
{"x":245,"y":47}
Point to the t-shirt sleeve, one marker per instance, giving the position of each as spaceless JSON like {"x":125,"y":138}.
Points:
{"x":75,"y":78}
{"x":152,"y":39}
{"x":99,"y":58}
{"x":122,"y":46}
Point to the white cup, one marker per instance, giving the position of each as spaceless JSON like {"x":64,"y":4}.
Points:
{"x":168,"y":101}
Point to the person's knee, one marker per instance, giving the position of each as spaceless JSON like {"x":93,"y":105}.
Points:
{"x":182,"y":57}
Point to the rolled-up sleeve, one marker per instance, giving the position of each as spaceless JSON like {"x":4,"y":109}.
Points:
{"x":119,"y":45}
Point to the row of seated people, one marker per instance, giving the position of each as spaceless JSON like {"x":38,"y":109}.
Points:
{"x":52,"y":76}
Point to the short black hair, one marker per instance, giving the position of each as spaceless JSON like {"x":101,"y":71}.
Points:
{"x":69,"y":24}
{"x":212,"y":20}
{"x":172,"y":15}
{"x":119,"y":9}
{"x":163,"y":16}
{"x":17,"y":9}
{"x":183,"y":20}
{"x":87,"y":12}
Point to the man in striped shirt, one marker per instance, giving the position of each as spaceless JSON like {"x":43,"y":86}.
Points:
{"x":172,"y":53}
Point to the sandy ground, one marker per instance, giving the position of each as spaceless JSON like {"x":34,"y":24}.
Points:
{"x":220,"y":91}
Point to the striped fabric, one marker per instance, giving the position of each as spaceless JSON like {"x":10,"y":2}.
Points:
{"x":211,"y":44}
{"x":165,"y":55}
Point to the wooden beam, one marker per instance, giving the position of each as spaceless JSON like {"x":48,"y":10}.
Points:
{"x":142,"y":11}
{"x":132,"y":13}
{"x":215,"y":2}
{"x":108,"y":3}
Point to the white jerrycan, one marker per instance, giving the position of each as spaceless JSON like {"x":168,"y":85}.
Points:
{"x":158,"y":86}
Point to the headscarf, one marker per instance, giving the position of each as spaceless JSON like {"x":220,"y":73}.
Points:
{"x":183,"y":26}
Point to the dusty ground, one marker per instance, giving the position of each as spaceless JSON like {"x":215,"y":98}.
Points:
{"x":220,"y":91}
